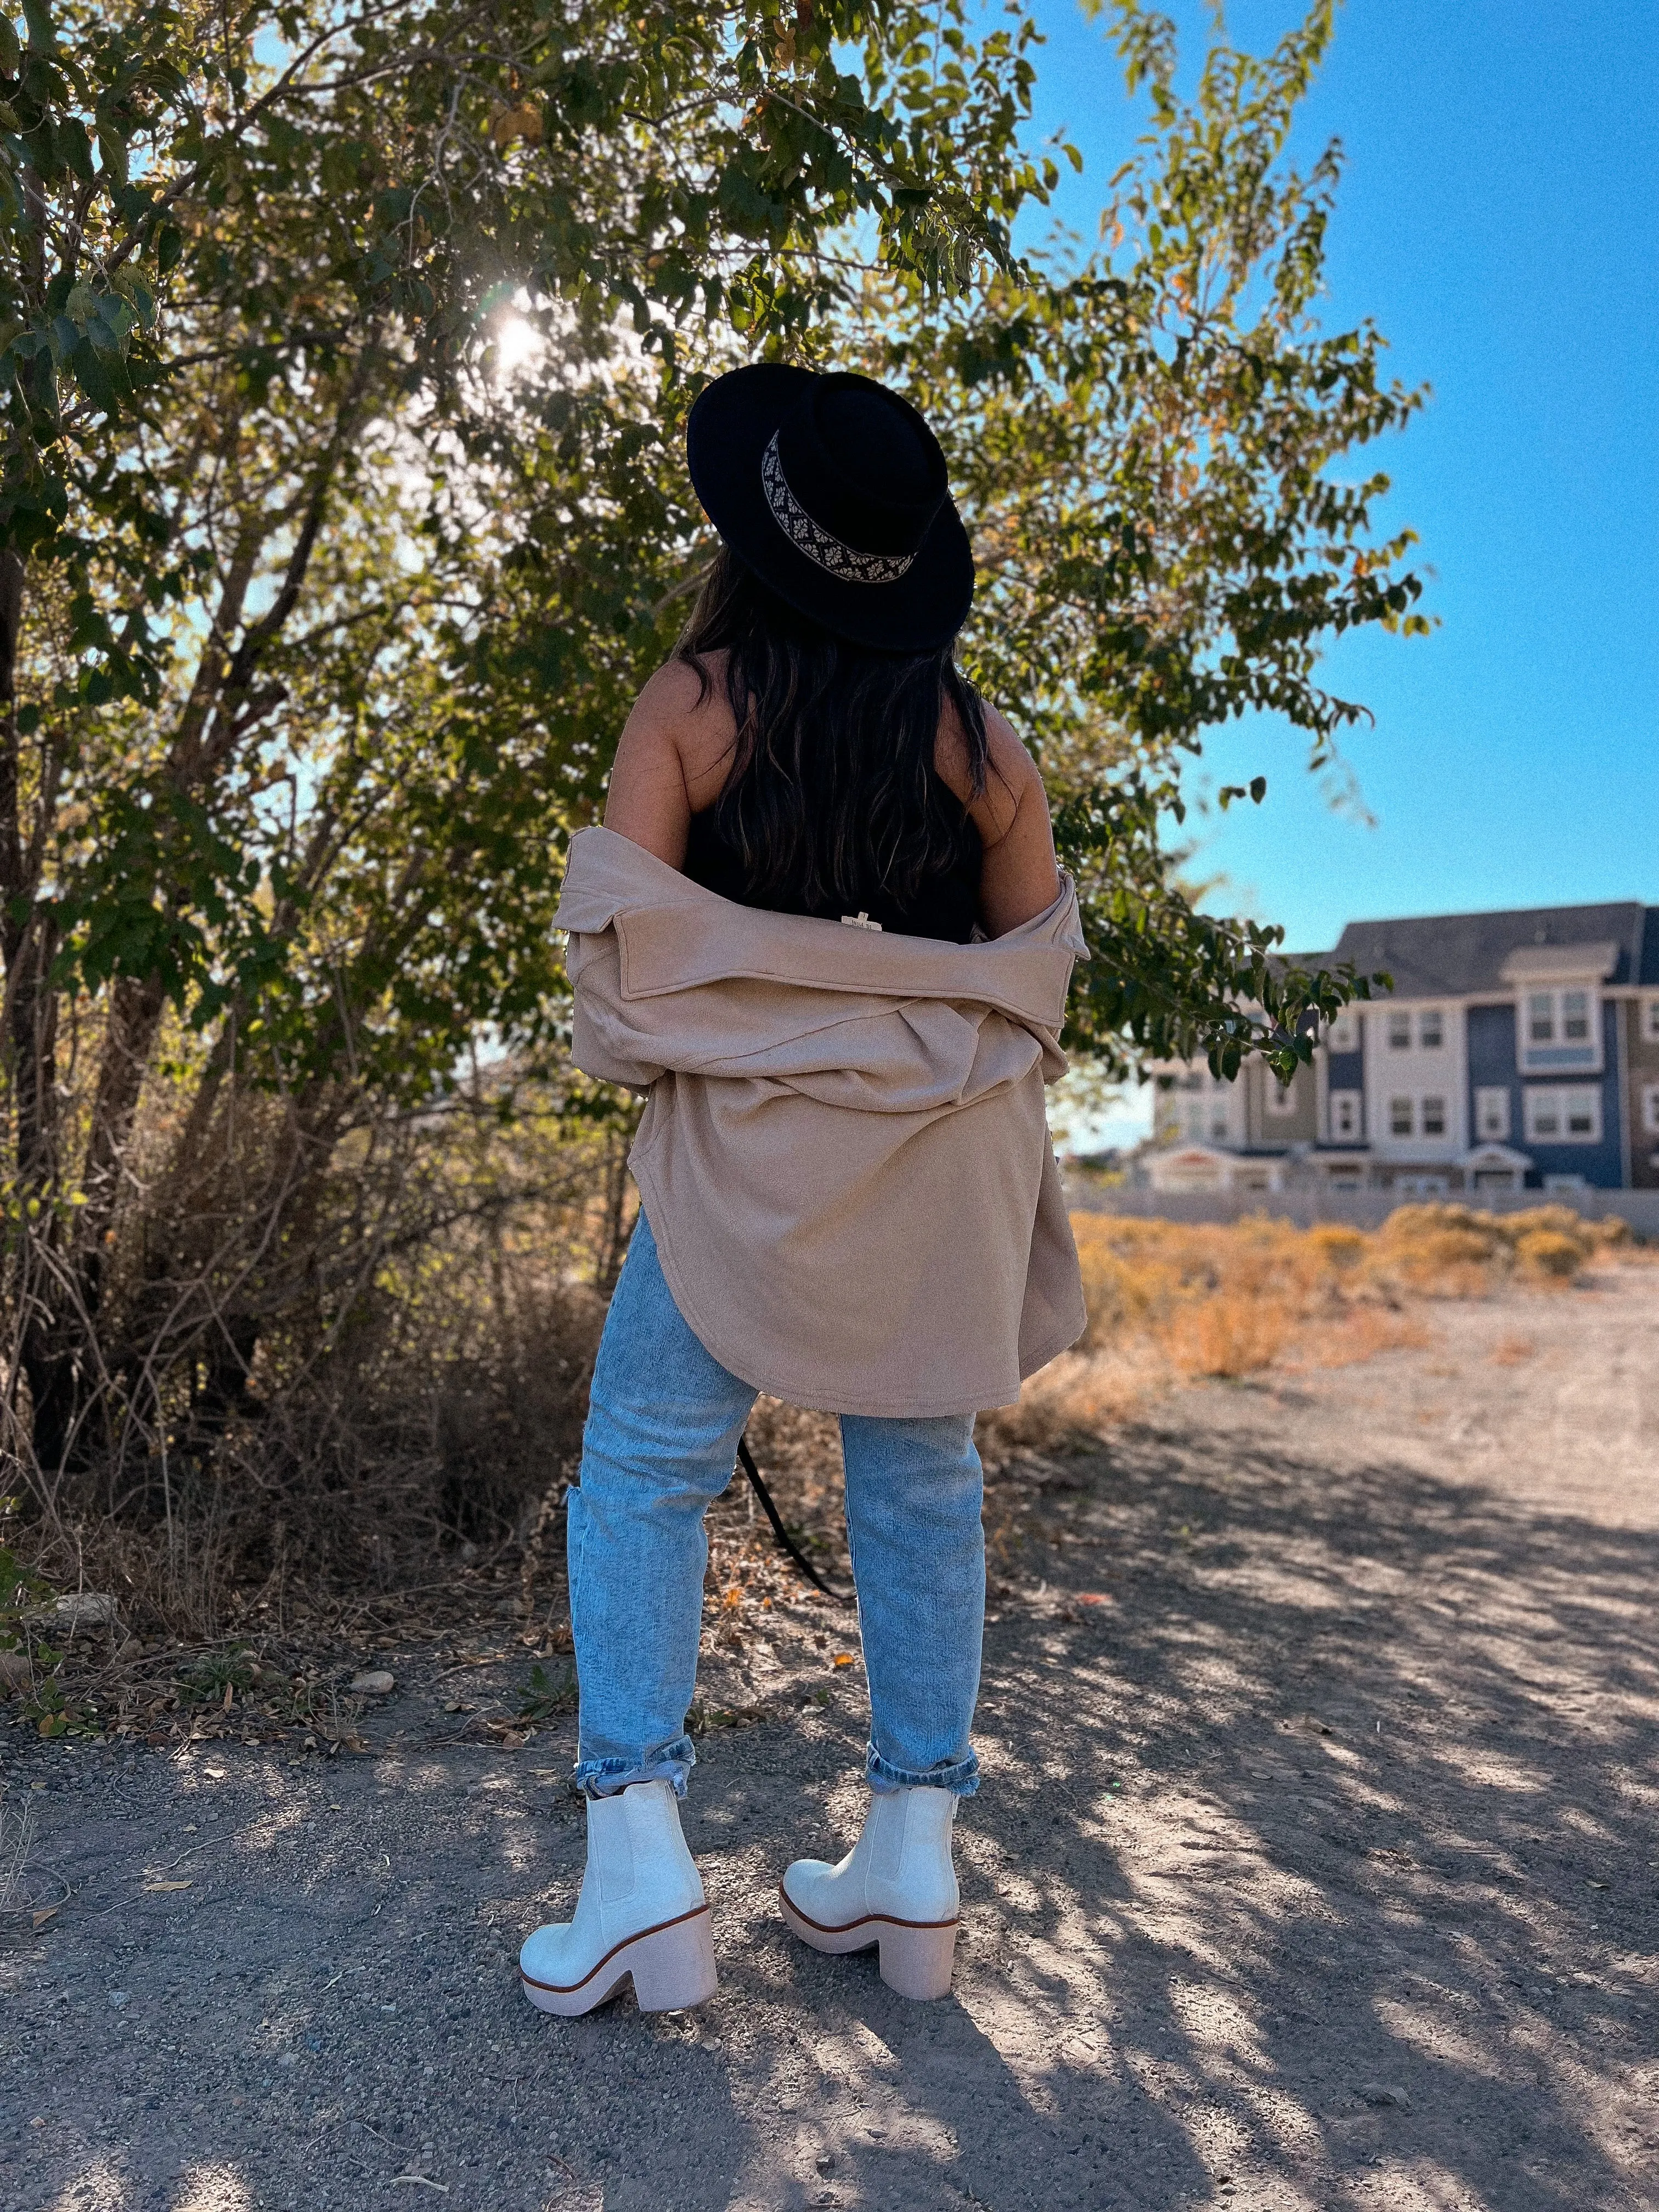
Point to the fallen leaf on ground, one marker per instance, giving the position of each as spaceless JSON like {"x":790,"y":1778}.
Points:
{"x":166,"y":1884}
{"x":1095,"y":1597}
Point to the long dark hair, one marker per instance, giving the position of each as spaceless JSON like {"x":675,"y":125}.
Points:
{"x":831,"y":791}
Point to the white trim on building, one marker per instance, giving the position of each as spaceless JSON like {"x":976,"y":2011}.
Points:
{"x":1562,"y":1113}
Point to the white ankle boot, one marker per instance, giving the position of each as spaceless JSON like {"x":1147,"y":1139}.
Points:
{"x":642,"y":1911}
{"x":895,"y":1888}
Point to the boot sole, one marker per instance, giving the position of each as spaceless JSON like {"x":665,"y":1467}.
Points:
{"x":672,"y":1965}
{"x":916,"y":1956}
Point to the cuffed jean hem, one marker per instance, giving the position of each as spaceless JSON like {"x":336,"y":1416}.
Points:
{"x":604,"y":1777}
{"x":961,"y":1778}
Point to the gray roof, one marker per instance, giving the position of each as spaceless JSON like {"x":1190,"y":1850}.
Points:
{"x":1462,"y":955}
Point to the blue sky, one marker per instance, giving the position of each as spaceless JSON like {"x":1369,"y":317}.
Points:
{"x":1497,"y":218}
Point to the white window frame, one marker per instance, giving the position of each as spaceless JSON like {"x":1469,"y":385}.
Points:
{"x":1431,"y":1019}
{"x":1343,"y":1035}
{"x":1396,"y":1100}
{"x":1556,"y":1052}
{"x":1492,"y":1114}
{"x":1569,"y":1101}
{"x":1651,"y":1108}
{"x":1650,"y":1019}
{"x":1427,"y":1101}
{"x":1347,"y":1107}
{"x":1400,"y":1029}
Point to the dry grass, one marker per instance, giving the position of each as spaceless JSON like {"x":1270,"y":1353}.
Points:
{"x":430,"y":1445}
{"x":1168,"y":1302}
{"x":1228,"y":1334}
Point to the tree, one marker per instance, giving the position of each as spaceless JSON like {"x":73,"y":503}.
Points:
{"x":341,"y":516}
{"x":255,"y":266}
{"x":1145,"y":444}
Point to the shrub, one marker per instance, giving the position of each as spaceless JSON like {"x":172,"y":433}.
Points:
{"x":1228,"y":1336}
{"x":1443,"y":1251}
{"x":1555,"y":1220}
{"x":1547,"y":1252}
{"x":1340,"y":1248}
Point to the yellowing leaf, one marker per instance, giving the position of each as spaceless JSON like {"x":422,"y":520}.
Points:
{"x":150,"y":1886}
{"x":522,"y":121}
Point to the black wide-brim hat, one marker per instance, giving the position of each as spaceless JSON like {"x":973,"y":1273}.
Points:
{"x":834,"y":490}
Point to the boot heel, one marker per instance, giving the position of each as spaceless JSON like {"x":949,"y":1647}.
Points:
{"x":917,"y":1961}
{"x":673,"y":1967}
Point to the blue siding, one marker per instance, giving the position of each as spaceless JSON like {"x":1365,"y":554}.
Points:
{"x":1491,"y":1062}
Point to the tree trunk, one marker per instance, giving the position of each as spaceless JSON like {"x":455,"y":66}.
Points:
{"x":614,"y":1248}
{"x":29,"y":943}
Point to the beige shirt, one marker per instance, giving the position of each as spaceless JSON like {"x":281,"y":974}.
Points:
{"x":844,"y":1158}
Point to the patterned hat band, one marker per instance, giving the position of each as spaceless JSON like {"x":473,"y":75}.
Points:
{"x":815,"y":541}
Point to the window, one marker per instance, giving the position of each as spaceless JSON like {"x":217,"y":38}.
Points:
{"x":1343,"y":1035}
{"x":1434,"y":1117}
{"x":1401,"y":1120}
{"x":1345,"y":1115}
{"x":1281,"y":1097}
{"x":1491,"y":1113}
{"x":1219,"y":1124}
{"x":1431,"y":1029}
{"x":1400,"y":1031}
{"x":1555,"y":1115}
{"x":1651,"y":1108}
{"x":1651,"y":1020}
{"x":1559,"y":1029}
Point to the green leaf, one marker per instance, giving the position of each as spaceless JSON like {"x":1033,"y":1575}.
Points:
{"x":112,"y":155}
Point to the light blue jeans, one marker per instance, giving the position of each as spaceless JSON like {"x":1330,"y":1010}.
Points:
{"x":662,"y":1441}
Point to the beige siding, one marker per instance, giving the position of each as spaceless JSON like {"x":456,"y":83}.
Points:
{"x":1642,"y":1060}
{"x":1269,"y":1125}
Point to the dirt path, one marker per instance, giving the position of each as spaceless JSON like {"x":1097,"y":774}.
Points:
{"x":1316,"y":1866}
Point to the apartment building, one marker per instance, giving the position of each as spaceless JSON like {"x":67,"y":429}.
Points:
{"x":1516,"y":1051}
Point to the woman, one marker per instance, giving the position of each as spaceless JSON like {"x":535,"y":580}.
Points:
{"x":823,"y":930}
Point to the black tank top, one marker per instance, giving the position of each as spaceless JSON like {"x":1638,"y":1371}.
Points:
{"x":945,"y":904}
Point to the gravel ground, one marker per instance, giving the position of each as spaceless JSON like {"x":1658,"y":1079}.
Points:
{"x":1316,"y":1864}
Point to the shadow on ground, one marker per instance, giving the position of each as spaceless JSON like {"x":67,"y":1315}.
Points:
{"x":1314,"y":1867}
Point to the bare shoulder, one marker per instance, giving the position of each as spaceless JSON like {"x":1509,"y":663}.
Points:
{"x":680,"y":723}
{"x":1012,"y":779}
{"x":674,"y":693}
